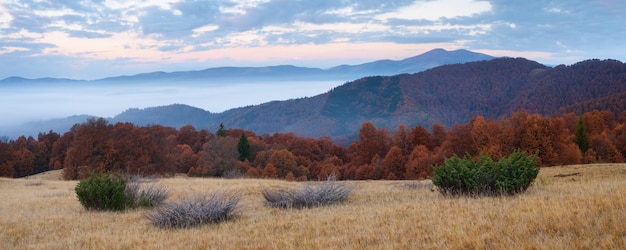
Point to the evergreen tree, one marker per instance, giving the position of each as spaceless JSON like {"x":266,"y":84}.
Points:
{"x":243,"y":147}
{"x":581,"y":137}
{"x":221,"y":132}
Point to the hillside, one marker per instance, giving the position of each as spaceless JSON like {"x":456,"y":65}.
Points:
{"x":448,"y":95}
{"x":614,"y":103}
{"x":175,"y":115}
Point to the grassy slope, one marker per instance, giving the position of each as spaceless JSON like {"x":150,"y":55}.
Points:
{"x":581,"y":211}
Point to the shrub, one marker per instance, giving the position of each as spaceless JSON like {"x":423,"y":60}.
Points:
{"x":515,"y":173}
{"x":113,"y":192}
{"x":103,"y":192}
{"x":150,"y":196}
{"x":463,"y":176}
{"x":196,"y":211}
{"x":329,"y":193}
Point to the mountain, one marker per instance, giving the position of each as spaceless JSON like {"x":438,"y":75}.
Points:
{"x":175,"y":115}
{"x":449,"y":94}
{"x":430,"y":59}
{"x":14,"y":80}
{"x":33,"y":128}
{"x":418,"y":63}
{"x":271,"y":73}
{"x":231,"y":75}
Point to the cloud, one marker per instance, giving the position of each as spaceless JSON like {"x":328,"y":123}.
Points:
{"x":164,"y":33}
{"x":10,"y":49}
{"x":203,"y":29}
{"x":436,"y":10}
{"x":5,"y":18}
{"x":180,"y":20}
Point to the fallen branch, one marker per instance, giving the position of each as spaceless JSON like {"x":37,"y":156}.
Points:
{"x":566,"y":175}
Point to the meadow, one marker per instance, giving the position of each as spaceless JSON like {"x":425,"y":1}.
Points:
{"x":568,"y":207}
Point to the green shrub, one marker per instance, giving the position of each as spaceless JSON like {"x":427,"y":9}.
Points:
{"x":113,"y":192}
{"x":515,"y":173}
{"x":464,"y":176}
{"x":103,"y":192}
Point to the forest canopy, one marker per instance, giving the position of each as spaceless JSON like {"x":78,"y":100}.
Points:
{"x":378,"y":153}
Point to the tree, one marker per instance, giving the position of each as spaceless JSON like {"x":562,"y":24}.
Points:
{"x":218,"y":157}
{"x":438,"y":134}
{"x":365,"y":172}
{"x":328,"y":169}
{"x":581,"y":136}
{"x":183,"y":158}
{"x":6,"y":161}
{"x":401,"y":139}
{"x":420,"y":136}
{"x":221,"y":132}
{"x":284,"y":162}
{"x":269,"y":172}
{"x":290,"y":177}
{"x":420,"y":163}
{"x":604,"y":149}
{"x":459,"y":141}
{"x":243,"y":147}
{"x":394,"y":163}
{"x":371,"y":142}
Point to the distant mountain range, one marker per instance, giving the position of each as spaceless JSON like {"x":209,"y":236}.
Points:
{"x":448,"y":94}
{"x":415,"y":64}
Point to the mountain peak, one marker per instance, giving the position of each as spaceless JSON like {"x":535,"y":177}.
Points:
{"x":14,"y":79}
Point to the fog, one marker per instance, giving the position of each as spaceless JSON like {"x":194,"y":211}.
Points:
{"x":37,"y":102}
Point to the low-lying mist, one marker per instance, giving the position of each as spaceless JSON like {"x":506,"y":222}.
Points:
{"x":37,"y":102}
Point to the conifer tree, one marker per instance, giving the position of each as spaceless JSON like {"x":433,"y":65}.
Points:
{"x":581,"y":136}
{"x":243,"y":147}
{"x":221,"y":132}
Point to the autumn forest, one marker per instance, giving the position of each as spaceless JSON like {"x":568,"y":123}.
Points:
{"x":377,"y":153}
{"x":367,"y":129}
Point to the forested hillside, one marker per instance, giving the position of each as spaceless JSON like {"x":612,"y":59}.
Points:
{"x":447,"y":95}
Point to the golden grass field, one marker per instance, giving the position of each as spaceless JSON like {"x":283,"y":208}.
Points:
{"x":584,"y":211}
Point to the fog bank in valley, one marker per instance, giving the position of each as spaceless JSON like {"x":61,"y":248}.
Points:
{"x":26,"y":103}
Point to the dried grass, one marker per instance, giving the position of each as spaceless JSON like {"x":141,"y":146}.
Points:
{"x":585,"y":211}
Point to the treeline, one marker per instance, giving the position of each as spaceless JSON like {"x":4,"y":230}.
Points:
{"x":377,"y":153}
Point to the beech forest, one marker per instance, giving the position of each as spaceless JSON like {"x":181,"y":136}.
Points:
{"x":376,"y":153}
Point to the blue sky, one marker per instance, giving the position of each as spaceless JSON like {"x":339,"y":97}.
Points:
{"x":96,"y":39}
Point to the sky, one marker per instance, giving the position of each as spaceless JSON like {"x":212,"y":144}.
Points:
{"x":96,"y":39}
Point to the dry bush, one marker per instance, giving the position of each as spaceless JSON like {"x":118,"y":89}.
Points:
{"x":329,"y":193}
{"x":196,"y":211}
{"x":151,"y":195}
{"x":415,"y":185}
{"x":34,"y":183}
